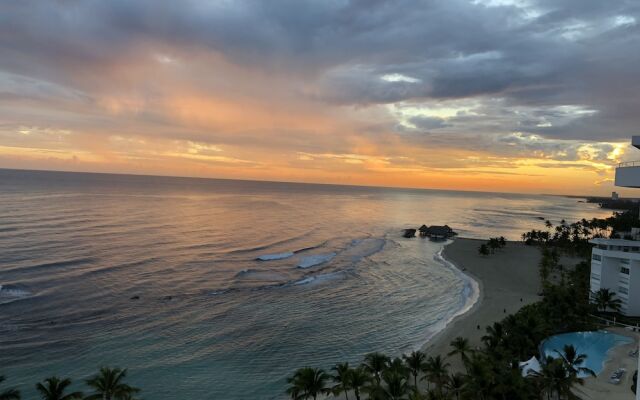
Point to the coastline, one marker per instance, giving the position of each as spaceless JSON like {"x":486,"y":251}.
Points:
{"x":506,"y":281}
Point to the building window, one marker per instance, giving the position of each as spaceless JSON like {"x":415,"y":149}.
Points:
{"x":595,"y":277}
{"x":624,"y":270}
{"x":623,"y":290}
{"x":635,"y":249}
{"x":602,"y":246}
{"x":624,"y":261}
{"x":596,"y":257}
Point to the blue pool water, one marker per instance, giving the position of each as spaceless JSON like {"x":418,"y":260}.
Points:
{"x":595,"y":344}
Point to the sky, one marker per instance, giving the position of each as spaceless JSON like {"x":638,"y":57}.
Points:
{"x":533,"y":96}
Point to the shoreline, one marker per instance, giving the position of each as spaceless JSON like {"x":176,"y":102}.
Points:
{"x":505,"y":282}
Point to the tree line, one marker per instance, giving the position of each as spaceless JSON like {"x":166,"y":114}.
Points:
{"x":107,"y":384}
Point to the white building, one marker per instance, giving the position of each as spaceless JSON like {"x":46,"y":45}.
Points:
{"x":615,"y":265}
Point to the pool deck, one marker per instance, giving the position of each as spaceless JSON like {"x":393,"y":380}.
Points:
{"x":599,"y":387}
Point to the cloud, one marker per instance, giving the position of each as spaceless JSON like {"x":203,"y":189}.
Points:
{"x":280,"y":81}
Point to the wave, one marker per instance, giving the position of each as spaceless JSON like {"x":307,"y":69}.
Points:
{"x":361,"y":248}
{"x":268,"y":245}
{"x":316,"y":259}
{"x":470,"y":296}
{"x":52,"y":265}
{"x":277,"y":256}
{"x":319,"y":278}
{"x":10,"y":293}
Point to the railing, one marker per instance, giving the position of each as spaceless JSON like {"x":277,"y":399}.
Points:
{"x":629,"y":164}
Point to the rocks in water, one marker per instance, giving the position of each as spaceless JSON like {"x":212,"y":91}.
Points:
{"x":135,"y":297}
{"x":167,"y":298}
{"x":409,"y":233}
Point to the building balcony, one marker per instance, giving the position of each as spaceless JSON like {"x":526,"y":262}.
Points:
{"x":628,"y":174}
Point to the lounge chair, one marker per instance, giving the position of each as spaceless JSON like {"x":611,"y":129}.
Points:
{"x":617,"y":376}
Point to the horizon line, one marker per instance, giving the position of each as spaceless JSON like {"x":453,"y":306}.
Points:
{"x":294,"y":182}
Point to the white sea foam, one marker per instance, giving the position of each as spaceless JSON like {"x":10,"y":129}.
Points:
{"x":316,"y":259}
{"x":278,"y":256}
{"x":11,"y":293}
{"x":470,"y":292}
{"x":319,"y":278}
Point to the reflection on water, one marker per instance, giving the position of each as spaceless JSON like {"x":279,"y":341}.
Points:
{"x":223,"y":287}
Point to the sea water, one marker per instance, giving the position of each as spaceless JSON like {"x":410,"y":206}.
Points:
{"x":215,"y":289}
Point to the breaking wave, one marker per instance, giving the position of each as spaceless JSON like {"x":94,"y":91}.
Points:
{"x":316,"y":259}
{"x":9,"y":293}
{"x":278,"y":256}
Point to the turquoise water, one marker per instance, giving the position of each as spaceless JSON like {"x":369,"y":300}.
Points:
{"x":237,"y":283}
{"x":595,"y":345}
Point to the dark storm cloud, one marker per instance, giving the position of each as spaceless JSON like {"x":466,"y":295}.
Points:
{"x":539,"y":54}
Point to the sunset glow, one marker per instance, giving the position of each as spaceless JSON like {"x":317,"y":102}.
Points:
{"x":417,"y":94}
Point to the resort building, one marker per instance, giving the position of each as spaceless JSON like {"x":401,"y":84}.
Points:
{"x":615,"y":265}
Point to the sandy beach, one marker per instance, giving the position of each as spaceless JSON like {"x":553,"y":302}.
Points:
{"x":507,"y":279}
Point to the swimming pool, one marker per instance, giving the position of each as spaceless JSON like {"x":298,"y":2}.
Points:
{"x":595,"y":344}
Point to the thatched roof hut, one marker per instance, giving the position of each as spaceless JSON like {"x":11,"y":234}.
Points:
{"x":409,"y":233}
{"x":439,"y":232}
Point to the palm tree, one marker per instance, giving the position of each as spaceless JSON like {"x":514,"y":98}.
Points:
{"x":395,"y":385}
{"x":342,"y":378}
{"x":308,"y":383}
{"x":480,"y":380}
{"x":53,"y":389}
{"x":573,"y":360}
{"x":415,"y":363}
{"x":455,"y":384}
{"x":460,"y":346}
{"x":436,"y":371}
{"x":606,"y":299}
{"x":108,"y":384}
{"x":495,"y":335}
{"x":359,"y":378}
{"x":9,"y":394}
{"x":555,"y":379}
{"x":375,"y":363}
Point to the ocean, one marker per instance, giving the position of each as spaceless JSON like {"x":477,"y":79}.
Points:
{"x":220,"y":289}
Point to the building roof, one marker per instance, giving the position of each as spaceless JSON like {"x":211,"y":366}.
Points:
{"x":439,"y":230}
{"x":615,"y":242}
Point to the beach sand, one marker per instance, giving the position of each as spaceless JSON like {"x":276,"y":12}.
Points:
{"x":507,"y":279}
{"x":504,"y":278}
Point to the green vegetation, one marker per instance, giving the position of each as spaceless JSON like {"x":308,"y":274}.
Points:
{"x":53,"y":389}
{"x":108,"y":384}
{"x":605,"y":300}
{"x":492,"y":245}
{"x":574,"y":238}
{"x":9,"y":394}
